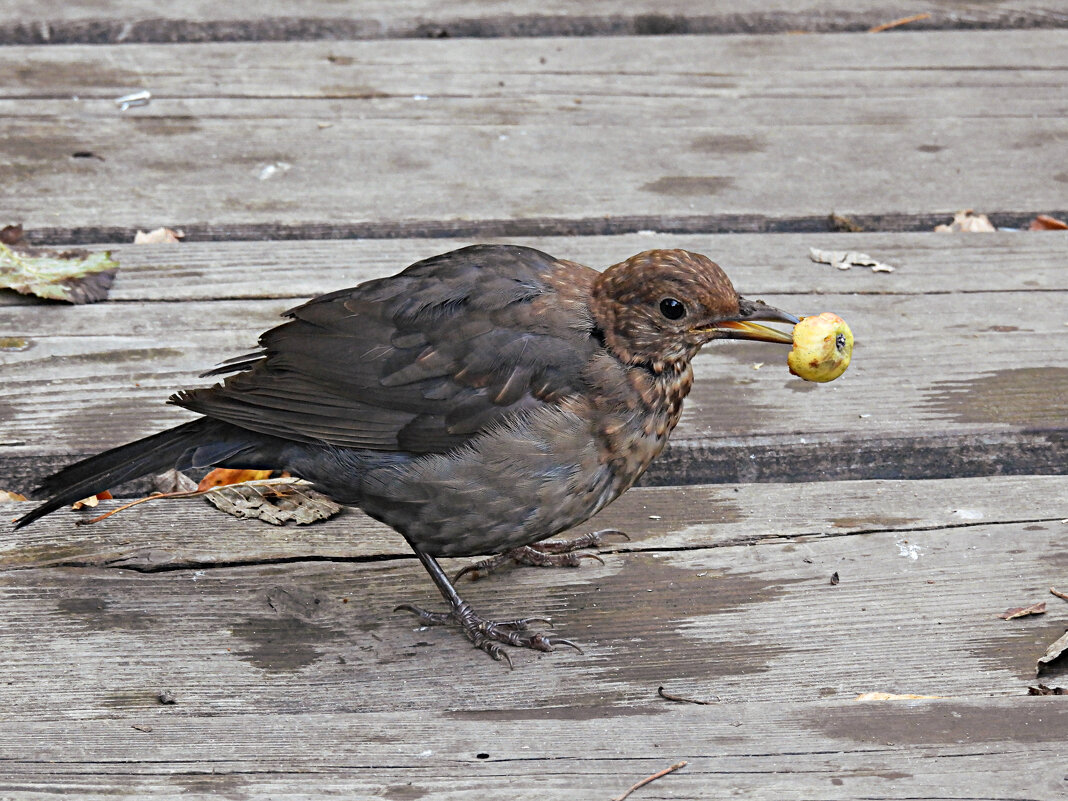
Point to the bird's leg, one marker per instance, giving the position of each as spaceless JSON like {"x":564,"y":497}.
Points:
{"x":485,"y":634}
{"x":550,"y":553}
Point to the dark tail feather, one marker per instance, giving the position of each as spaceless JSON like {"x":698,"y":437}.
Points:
{"x":152,"y":454}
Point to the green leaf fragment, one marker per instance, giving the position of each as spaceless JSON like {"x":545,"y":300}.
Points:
{"x":74,"y":276}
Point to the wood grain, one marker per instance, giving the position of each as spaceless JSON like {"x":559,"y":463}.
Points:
{"x":943,"y":382}
{"x":377,"y":138}
{"x":29,"y":22}
{"x":299,"y":670}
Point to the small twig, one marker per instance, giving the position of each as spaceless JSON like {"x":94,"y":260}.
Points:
{"x":98,"y":518}
{"x":1059,"y":594}
{"x":652,"y":778}
{"x":898,"y":22}
{"x":681,"y":700}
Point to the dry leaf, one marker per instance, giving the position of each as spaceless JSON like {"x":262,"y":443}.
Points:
{"x":969,"y":222}
{"x":1044,"y":222}
{"x":1053,"y":653}
{"x":1042,"y":689}
{"x":277,"y":500}
{"x":844,"y":259}
{"x":11,"y":235}
{"x":221,"y":476}
{"x":158,"y":237}
{"x":173,"y":481}
{"x":894,"y":697}
{"x":5,"y":495}
{"x":92,"y":501}
{"x":1058,"y":593}
{"x":1023,"y":611}
{"x":76,"y":276}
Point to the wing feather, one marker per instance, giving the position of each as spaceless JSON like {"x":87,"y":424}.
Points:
{"x":419,"y":362}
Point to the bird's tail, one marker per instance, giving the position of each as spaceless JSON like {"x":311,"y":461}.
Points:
{"x":152,"y":454}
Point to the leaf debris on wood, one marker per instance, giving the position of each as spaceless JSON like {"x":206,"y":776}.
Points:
{"x":967,"y":221}
{"x":158,"y":236}
{"x":1056,"y":650}
{"x":1042,"y":689}
{"x":1043,"y":222}
{"x":1038,"y":608}
{"x":74,"y":276}
{"x":844,"y":259}
{"x":1059,"y":594}
{"x":277,"y":501}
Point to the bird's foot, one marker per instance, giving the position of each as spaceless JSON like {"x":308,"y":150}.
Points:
{"x":550,"y":553}
{"x":487,"y":635}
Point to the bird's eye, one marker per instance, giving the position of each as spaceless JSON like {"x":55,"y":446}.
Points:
{"x":672,"y":309}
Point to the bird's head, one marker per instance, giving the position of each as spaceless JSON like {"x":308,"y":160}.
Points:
{"x":659,"y":307}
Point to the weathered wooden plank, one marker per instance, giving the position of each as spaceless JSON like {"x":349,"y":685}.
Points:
{"x":297,"y":672}
{"x":734,"y":132}
{"x":742,"y":623}
{"x":758,"y":264}
{"x":657,"y":518}
{"x":938,"y":382}
{"x":1002,"y":750}
{"x":24,"y":21}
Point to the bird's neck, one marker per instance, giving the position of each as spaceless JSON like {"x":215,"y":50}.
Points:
{"x":637,"y":413}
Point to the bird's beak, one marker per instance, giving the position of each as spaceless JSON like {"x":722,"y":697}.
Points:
{"x":744,"y":327}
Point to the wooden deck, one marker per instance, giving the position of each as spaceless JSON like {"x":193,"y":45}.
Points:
{"x":172,"y":651}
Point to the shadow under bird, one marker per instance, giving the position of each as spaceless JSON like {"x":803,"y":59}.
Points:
{"x":478,"y":402}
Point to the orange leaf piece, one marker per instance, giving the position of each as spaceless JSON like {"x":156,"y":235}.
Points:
{"x":221,"y":476}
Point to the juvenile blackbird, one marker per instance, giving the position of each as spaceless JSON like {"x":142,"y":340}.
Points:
{"x":478,"y":401}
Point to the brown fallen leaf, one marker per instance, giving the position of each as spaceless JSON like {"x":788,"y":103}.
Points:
{"x":92,"y":501}
{"x":1059,"y":594}
{"x":11,"y":235}
{"x":1038,"y":608}
{"x":1053,"y":653}
{"x":5,"y":495}
{"x":173,"y":481}
{"x":277,"y":501}
{"x":1042,"y":689}
{"x":158,"y":236}
{"x":895,"y":697}
{"x":221,"y":476}
{"x":74,"y":276}
{"x":1044,"y":222}
{"x":967,"y":221}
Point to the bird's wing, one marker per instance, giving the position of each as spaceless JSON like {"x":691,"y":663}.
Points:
{"x":419,"y":362}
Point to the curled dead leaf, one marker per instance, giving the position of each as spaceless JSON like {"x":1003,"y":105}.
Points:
{"x":158,"y":236}
{"x":92,"y":501}
{"x":967,"y":221}
{"x":1043,"y":222}
{"x":1056,"y":650}
{"x":1038,"y":608}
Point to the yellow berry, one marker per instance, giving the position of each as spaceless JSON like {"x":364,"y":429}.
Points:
{"x":823,"y":345}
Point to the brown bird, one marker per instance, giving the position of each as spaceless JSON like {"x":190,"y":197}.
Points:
{"x":477,"y":402}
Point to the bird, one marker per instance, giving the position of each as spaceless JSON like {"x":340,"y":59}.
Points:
{"x":478,"y":402}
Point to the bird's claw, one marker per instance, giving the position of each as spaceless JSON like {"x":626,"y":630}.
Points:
{"x":487,"y":635}
{"x":550,"y":553}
